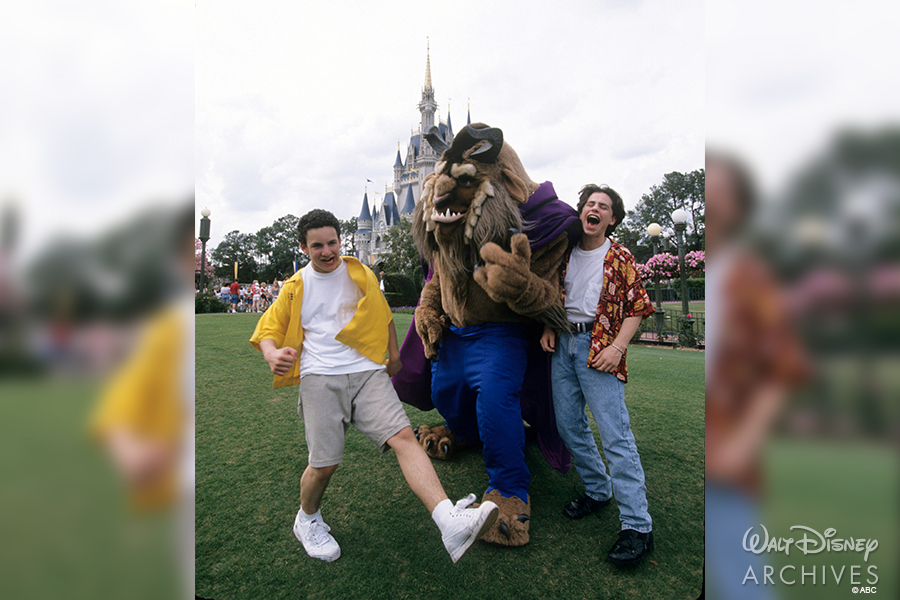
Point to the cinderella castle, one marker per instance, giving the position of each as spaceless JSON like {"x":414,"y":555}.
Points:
{"x":400,"y":200}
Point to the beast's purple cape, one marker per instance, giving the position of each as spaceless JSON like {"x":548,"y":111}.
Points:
{"x":545,"y":217}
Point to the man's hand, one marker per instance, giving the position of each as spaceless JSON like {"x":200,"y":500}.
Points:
{"x":141,"y":461}
{"x":606,"y":360}
{"x":548,"y":340}
{"x":393,"y":365}
{"x":280,"y":359}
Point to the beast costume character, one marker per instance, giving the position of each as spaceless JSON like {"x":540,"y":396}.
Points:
{"x":482,"y":311}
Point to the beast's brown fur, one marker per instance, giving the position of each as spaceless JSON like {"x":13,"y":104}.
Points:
{"x":513,"y":523}
{"x":475,"y":279}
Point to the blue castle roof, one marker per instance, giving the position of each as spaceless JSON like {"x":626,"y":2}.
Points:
{"x":409,"y":204}
{"x":388,"y":208}
{"x":364,"y":213}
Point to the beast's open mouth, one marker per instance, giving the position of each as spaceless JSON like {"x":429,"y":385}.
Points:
{"x":448,"y":216}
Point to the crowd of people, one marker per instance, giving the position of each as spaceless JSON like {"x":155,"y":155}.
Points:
{"x":254,"y":297}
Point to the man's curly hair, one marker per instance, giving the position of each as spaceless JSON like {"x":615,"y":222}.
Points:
{"x":315,"y":219}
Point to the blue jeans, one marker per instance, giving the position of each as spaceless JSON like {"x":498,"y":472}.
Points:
{"x":574,"y":384}
{"x":475,"y":386}
{"x":729,"y":513}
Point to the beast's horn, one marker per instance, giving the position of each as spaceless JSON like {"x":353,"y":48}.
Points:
{"x":493,"y":142}
{"x":435,"y":140}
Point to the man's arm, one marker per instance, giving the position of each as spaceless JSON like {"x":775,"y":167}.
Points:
{"x":393,"y":363}
{"x":610,"y":357}
{"x":280,"y":359}
{"x":741,"y":448}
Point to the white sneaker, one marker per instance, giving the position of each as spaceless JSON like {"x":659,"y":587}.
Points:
{"x":461,"y":526}
{"x":316,"y":540}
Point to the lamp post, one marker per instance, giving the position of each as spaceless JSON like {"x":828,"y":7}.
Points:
{"x":204,"y":237}
{"x":679,"y":218}
{"x":653,"y":229}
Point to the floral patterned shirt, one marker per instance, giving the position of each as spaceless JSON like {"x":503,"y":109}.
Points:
{"x":623,"y":296}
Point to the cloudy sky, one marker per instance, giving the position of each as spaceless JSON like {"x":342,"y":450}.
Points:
{"x":96,"y":113}
{"x":782,"y":79}
{"x":108,"y":107}
{"x":299,"y":103}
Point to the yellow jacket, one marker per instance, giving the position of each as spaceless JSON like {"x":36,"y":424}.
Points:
{"x":145,"y":398}
{"x":366,"y":332}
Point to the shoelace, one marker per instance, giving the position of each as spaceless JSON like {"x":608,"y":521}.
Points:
{"x":466,"y":502}
{"x":317,"y":531}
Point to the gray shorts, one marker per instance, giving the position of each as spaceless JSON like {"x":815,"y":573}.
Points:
{"x":330,"y":403}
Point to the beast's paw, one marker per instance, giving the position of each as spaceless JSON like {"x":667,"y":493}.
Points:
{"x":511,"y":528}
{"x":430,"y":327}
{"x":505,"y":275}
{"x":438,"y":442}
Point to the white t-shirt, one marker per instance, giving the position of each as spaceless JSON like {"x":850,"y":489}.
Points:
{"x":329,"y":303}
{"x":584,"y":283}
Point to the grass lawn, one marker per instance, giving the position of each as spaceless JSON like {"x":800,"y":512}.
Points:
{"x":65,"y":528}
{"x":250,"y":453}
{"x":851,"y":486}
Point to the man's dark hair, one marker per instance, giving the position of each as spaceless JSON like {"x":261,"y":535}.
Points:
{"x":744,"y":185}
{"x":316,"y":218}
{"x":618,"y":205}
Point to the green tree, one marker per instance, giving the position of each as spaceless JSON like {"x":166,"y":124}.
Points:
{"x":629,"y":236}
{"x":404,"y":257}
{"x":348,"y":243}
{"x":677,"y":190}
{"x":235,"y":247}
{"x":279,"y":246}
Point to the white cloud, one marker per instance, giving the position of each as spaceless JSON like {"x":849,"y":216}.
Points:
{"x":303,"y":103}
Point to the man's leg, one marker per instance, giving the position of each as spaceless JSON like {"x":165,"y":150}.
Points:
{"x":378,"y":414}
{"x":309,"y":528}
{"x":605,"y":395}
{"x":322,"y":407}
{"x":417,"y":469}
{"x":572,"y":421}
{"x":312,"y":487}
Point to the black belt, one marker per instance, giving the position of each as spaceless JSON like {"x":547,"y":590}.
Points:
{"x":581,"y":327}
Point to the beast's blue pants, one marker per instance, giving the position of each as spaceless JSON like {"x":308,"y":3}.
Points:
{"x":475,"y":386}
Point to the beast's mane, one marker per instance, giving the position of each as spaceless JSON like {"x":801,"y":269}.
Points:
{"x":455,"y":257}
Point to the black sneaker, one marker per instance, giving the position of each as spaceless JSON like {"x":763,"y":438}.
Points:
{"x":578,"y":509}
{"x":631,"y":547}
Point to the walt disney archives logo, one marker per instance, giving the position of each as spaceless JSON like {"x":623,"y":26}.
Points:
{"x":812,"y":542}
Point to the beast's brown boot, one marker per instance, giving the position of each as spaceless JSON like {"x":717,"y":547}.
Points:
{"x":511,"y":528}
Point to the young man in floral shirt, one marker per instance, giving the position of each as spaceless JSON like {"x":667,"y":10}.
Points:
{"x":605,"y":303}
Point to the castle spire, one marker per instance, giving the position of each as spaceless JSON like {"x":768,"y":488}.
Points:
{"x":428,"y":65}
{"x":364,"y":214}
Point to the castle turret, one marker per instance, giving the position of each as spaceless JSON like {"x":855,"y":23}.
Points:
{"x":388,"y":209}
{"x":409,"y":203}
{"x":365,"y":217}
{"x":427,"y":106}
{"x":398,"y":170}
{"x":363,"y":235}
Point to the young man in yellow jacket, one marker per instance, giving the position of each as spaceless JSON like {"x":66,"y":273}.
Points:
{"x":329,"y":331}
